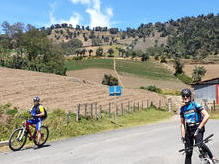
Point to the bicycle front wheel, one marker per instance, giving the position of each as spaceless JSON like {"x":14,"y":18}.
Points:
{"x":17,"y":139}
{"x":44,"y":136}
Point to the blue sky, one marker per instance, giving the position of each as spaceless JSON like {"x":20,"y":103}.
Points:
{"x":111,"y":13}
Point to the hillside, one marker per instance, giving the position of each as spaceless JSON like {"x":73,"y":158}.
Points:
{"x":60,"y":92}
{"x":212,"y":70}
{"x":133,"y":74}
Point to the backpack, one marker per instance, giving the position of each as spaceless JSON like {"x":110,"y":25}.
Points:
{"x":45,"y":111}
{"x":45,"y":114}
{"x":200,"y":115}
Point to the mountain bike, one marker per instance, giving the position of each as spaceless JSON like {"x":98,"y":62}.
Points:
{"x":205,"y":159}
{"x":19,"y":136}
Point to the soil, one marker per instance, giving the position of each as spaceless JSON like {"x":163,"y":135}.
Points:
{"x":212,"y":70}
{"x":129,"y":81}
{"x":18,"y":87}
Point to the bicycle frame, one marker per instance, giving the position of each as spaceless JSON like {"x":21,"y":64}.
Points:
{"x":27,"y":129}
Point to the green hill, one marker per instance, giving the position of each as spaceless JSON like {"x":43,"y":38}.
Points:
{"x":142,"y":69}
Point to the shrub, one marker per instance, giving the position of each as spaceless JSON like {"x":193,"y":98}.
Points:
{"x":185,"y":79}
{"x":78,"y":58}
{"x":153,"y":88}
{"x":109,"y":80}
{"x":198,"y":73}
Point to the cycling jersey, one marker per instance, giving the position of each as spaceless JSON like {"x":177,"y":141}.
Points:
{"x":37,"y":109}
{"x":36,"y":120}
{"x":191,"y":113}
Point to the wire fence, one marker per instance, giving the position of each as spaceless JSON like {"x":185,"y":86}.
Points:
{"x":115,"y":109}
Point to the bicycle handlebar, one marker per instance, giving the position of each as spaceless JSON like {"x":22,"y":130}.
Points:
{"x":206,"y":140}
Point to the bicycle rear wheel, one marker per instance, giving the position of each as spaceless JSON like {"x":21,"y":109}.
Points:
{"x":207,"y":160}
{"x":44,"y":136}
{"x":17,"y":139}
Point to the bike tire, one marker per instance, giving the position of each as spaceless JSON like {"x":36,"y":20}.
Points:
{"x":44,"y":129}
{"x":23,"y":139}
{"x":208,"y":161}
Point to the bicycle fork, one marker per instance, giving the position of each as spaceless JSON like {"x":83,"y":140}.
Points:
{"x":21,"y":133}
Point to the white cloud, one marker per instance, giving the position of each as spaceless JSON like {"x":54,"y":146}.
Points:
{"x":81,"y":1}
{"x":74,"y":19}
{"x":97,"y":17}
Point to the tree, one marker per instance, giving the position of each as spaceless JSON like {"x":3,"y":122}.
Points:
{"x":144,"y":57}
{"x":32,"y":50}
{"x":198,"y":73}
{"x":90,"y":51}
{"x":99,"y":51}
{"x":110,"y":51}
{"x":178,"y":65}
{"x":75,"y":43}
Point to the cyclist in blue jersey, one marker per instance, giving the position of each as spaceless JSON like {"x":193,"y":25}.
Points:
{"x":38,"y":113}
{"x":193,"y":119}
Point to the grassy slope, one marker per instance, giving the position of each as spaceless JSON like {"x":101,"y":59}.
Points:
{"x":142,"y":69}
{"x":90,"y":63}
{"x":59,"y":129}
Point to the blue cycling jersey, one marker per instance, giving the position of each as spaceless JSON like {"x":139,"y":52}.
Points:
{"x":191,"y":112}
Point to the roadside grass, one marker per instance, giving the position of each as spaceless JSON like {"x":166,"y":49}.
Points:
{"x":215,"y":114}
{"x":142,"y":69}
{"x":60,"y":129}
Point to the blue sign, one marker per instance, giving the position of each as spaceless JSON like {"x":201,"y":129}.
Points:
{"x":115,"y":90}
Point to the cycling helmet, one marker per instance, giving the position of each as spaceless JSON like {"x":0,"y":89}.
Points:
{"x":186,"y":92}
{"x":36,"y":99}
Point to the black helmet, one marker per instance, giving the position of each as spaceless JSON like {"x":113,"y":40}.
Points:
{"x":186,"y":92}
{"x":36,"y":99}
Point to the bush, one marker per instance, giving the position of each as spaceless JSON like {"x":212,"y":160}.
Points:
{"x":152,"y":88}
{"x":185,"y":79}
{"x":110,"y":55}
{"x":109,"y":80}
{"x":78,"y":58}
{"x":198,"y":73}
{"x":12,"y":111}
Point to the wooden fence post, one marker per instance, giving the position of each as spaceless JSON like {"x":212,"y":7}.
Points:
{"x":142,"y":105}
{"x":147,"y":103}
{"x":95,"y":111}
{"x":214,"y":106}
{"x":109,"y":109}
{"x":116,"y":109}
{"x":101,"y":112}
{"x":78,"y":113}
{"x":85,"y":110}
{"x":122,"y":109}
{"x":67,"y":118}
{"x":159,"y":103}
{"x":115,"y":117}
{"x":134,"y":106}
{"x":129,"y":106}
{"x":170,"y":104}
{"x":91,"y":110}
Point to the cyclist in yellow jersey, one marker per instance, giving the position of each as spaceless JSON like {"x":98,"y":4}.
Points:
{"x":38,"y":114}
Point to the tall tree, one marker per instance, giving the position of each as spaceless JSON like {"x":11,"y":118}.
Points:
{"x":178,"y":65}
